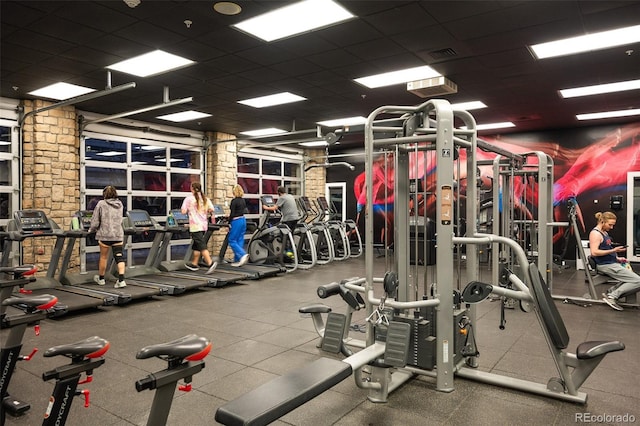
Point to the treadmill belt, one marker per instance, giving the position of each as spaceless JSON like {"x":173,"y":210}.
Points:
{"x":70,"y":300}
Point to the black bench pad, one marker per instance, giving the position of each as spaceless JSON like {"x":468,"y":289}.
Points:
{"x":283,"y":394}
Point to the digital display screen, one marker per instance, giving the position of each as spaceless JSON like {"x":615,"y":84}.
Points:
{"x":267,"y":199}
{"x":178,"y":215}
{"x":139,"y":216}
{"x":31,"y":214}
{"x":218,"y":210}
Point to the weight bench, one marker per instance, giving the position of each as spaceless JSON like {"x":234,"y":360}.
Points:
{"x":283,"y":394}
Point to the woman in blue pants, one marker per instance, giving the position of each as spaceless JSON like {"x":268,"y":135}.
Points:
{"x":238,"y":227}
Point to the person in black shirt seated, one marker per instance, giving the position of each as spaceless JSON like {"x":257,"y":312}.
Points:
{"x":608,"y":262}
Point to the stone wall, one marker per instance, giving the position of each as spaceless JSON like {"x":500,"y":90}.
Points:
{"x":51,"y":173}
{"x":316,"y":177}
{"x":222,"y":170}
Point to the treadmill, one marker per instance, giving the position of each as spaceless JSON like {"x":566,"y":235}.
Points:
{"x":220,"y":277}
{"x":85,"y":279}
{"x":139,"y":222}
{"x":35,"y":224}
{"x":256,"y":271}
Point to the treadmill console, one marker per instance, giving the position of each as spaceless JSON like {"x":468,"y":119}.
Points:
{"x":140,"y":219}
{"x":180,"y":219}
{"x":268,"y":200}
{"x":84,"y":219}
{"x":218,"y":210}
{"x":32,"y":222}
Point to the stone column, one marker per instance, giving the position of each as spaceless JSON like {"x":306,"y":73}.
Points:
{"x":51,"y":173}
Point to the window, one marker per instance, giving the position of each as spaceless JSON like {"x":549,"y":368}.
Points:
{"x":150,"y":175}
{"x":9,"y":169}
{"x":262,"y":173}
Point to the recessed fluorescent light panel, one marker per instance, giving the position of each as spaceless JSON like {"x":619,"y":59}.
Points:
{"x":608,"y":114}
{"x":151,"y":63}
{"x":488,"y":126}
{"x":61,"y":91}
{"x":263,"y":132}
{"x":501,"y":125}
{"x":271,"y":100}
{"x":468,"y":106}
{"x":179,"y":117}
{"x":314,"y":143}
{"x":347,"y":121}
{"x":587,"y":43}
{"x":398,"y":77}
{"x":295,"y":19}
{"x":598,"y":89}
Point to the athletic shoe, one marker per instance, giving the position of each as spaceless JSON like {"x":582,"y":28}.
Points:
{"x":120,"y":284}
{"x":98,"y":281}
{"x":212,"y":268}
{"x":190,"y":266}
{"x":611,"y":302}
{"x":243,"y":260}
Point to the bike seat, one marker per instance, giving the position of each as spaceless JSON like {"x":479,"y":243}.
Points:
{"x":41,"y":302}
{"x":190,"y":347}
{"x":92,"y":347}
{"x":22,"y":270}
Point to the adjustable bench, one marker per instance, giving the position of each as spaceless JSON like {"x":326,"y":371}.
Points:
{"x":283,"y":394}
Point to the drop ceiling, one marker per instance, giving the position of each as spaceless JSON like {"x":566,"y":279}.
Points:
{"x":479,"y":45}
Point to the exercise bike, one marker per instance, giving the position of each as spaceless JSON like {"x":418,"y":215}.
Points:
{"x":86,"y":355}
{"x":31,"y":309}
{"x":184,"y":359}
{"x":267,"y":244}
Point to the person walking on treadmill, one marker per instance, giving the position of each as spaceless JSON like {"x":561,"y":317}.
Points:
{"x":106,"y":222}
{"x":238,"y":227}
{"x":288,"y":208}
{"x":197,"y":206}
{"x":608,"y":262}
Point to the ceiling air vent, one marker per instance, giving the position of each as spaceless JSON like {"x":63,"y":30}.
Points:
{"x":442,"y":53}
{"x":430,"y":87}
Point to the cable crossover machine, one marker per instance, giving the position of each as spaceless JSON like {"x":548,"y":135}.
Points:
{"x":421,"y":321}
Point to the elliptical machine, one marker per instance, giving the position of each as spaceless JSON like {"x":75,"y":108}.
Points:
{"x":319,"y":231}
{"x":305,"y":242}
{"x":268,"y":242}
{"x":337,"y":229}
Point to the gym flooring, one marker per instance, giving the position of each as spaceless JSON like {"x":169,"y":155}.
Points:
{"x":258,"y":334}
